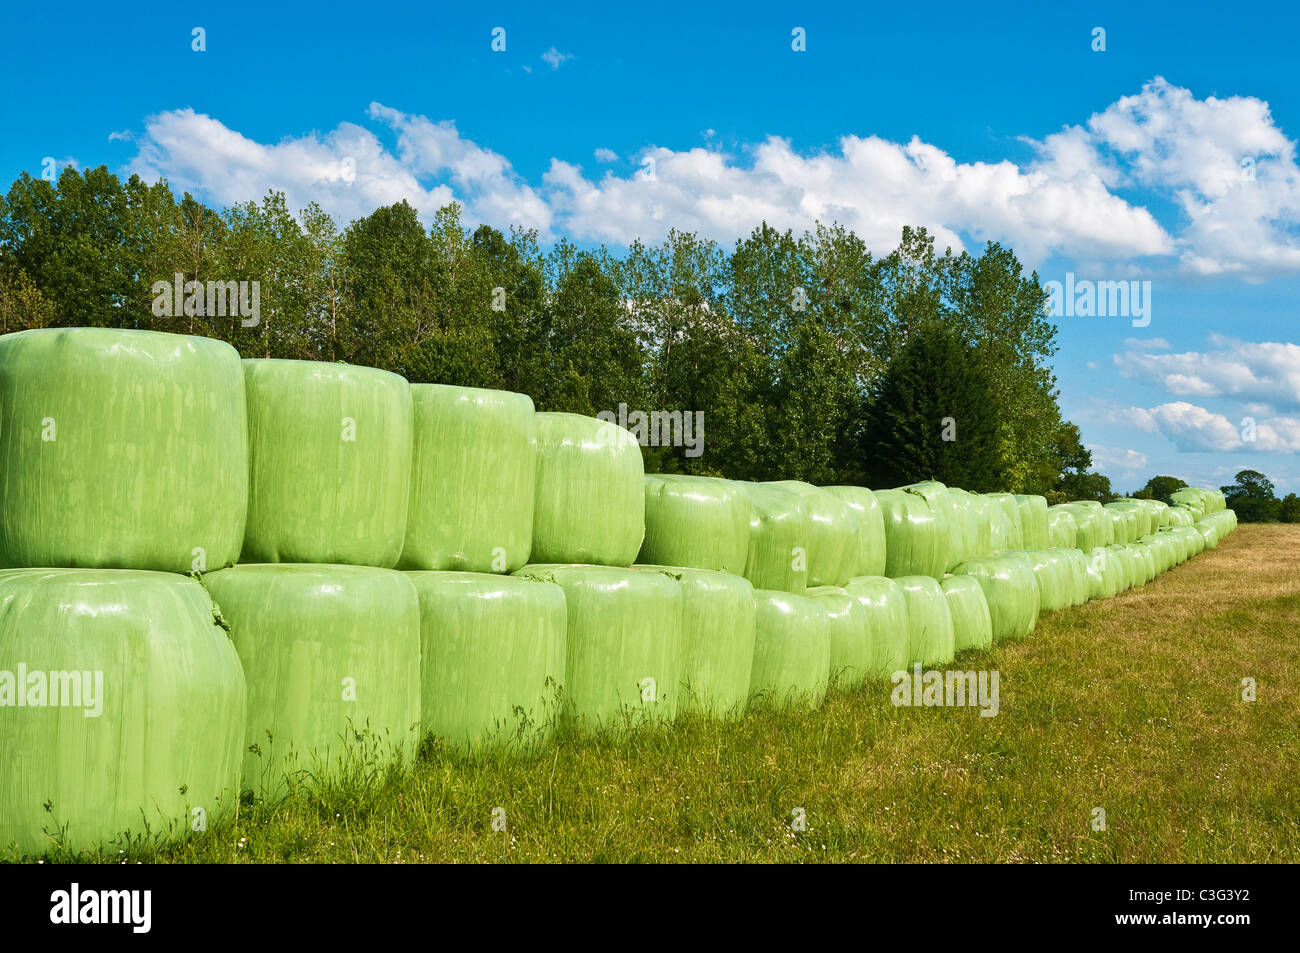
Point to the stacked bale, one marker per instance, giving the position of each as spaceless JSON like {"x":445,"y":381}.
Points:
{"x":850,"y":636}
{"x":590,"y":500}
{"x":913,"y":541}
{"x":1062,"y":529}
{"x":473,"y":480}
{"x":952,"y":524}
{"x":777,"y":557}
{"x":833,"y":546}
{"x":931,"y":639}
{"x":871,"y":528}
{"x":1015,"y":537}
{"x":1011,"y":591}
{"x":121,"y":449}
{"x":121,"y":704}
{"x":792,"y":649}
{"x":885,"y":607}
{"x":623,"y":652}
{"x":695,"y":522}
{"x":1033,"y":521}
{"x":330,"y":463}
{"x":332,"y":659}
{"x":717,"y":641}
{"x":972,"y":625}
{"x":492,"y":652}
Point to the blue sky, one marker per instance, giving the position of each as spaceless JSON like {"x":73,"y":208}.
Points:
{"x":979,"y":123}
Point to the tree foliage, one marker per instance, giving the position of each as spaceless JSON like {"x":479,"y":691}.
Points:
{"x":784,"y":341}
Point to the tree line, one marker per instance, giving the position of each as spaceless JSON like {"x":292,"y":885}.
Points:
{"x":810,"y":357}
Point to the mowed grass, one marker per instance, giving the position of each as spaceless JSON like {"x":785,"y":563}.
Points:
{"x":1133,"y":705}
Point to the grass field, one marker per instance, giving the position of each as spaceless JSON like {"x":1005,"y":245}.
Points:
{"x":1133,"y":705}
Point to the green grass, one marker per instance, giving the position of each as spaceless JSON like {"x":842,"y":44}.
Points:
{"x":1132,"y":704}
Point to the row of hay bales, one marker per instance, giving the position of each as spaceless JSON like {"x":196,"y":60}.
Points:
{"x":283,"y":569}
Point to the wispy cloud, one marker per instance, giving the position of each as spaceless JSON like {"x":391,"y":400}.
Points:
{"x":555,"y":59}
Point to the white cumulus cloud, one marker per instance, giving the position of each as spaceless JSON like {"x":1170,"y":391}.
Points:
{"x":1256,"y":371}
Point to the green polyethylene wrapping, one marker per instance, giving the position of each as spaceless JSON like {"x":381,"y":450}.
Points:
{"x":330,"y":463}
{"x":950,"y":528}
{"x":912,"y":542}
{"x":696,"y":522}
{"x":930,"y":636}
{"x":871,"y":528}
{"x":833,"y":548}
{"x":623,"y":663}
{"x":974,"y":539}
{"x":972,"y":626}
{"x":1161,"y":551}
{"x":1179,"y":516}
{"x":1062,"y":529}
{"x":717,"y":639}
{"x":792,"y":649}
{"x":778,"y":538}
{"x":1128,"y":572}
{"x":132,"y":707}
{"x":1105,"y":574}
{"x":886,"y":615}
{"x":851,"y":648}
{"x":1011,"y":591}
{"x":121,"y":449}
{"x":1144,"y":518}
{"x":1057,"y":587}
{"x":590,"y":504}
{"x":492,"y":651}
{"x":1015,"y":530}
{"x":332,"y":659}
{"x":999,"y":525}
{"x":1033,"y":521}
{"x":473,"y":480}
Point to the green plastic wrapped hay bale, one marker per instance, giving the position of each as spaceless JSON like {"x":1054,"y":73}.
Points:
{"x":1128,"y":572}
{"x":332,"y":659}
{"x":1062,"y":529}
{"x":886,"y":615}
{"x":1054,"y":590}
{"x":1015,"y":530}
{"x":1177,"y":516}
{"x":717,"y":639}
{"x":851,"y":648}
{"x":1011,"y":591}
{"x":623,"y":662}
{"x":951,"y":542}
{"x":778,"y":538}
{"x":121,"y":449}
{"x":999,"y":526}
{"x":1033,"y":521}
{"x":492,"y":652}
{"x":972,"y":626}
{"x":792,"y":649}
{"x":930,"y":636}
{"x":330,"y":463}
{"x":912,"y":543}
{"x":1189,"y":498}
{"x":121,"y":707}
{"x":1074,"y":569}
{"x":590,"y":504}
{"x":833,"y":546}
{"x":1143,"y":521}
{"x":967,"y":520}
{"x":1105,"y":574}
{"x":473,"y":480}
{"x":930,"y":623}
{"x":871,"y":528}
{"x":1123,"y":526}
{"x":697,"y":522}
